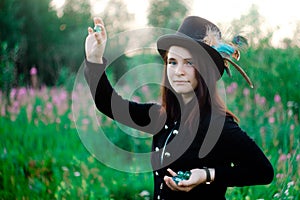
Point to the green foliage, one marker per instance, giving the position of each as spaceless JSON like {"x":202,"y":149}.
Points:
{"x":7,"y":73}
{"x":249,"y":24}
{"x":72,"y":30}
{"x":41,"y":155}
{"x":116,"y":17}
{"x":42,"y":38}
{"x":116,"y":22}
{"x":43,"y":158}
{"x":279,"y":72}
{"x":272,"y":70}
{"x":10,"y":24}
{"x":37,"y":38}
{"x":65,"y":79}
{"x":166,"y":13}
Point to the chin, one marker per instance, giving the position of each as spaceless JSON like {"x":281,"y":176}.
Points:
{"x":183,"y":91}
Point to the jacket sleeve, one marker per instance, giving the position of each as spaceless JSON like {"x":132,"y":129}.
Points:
{"x":246,"y":162}
{"x":141,"y":116}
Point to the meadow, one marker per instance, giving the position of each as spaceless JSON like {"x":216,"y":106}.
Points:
{"x":43,"y":155}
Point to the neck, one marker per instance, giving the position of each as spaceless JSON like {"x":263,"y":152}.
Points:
{"x":186,"y":98}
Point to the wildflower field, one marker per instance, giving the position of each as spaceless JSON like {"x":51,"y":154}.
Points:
{"x":42,"y":155}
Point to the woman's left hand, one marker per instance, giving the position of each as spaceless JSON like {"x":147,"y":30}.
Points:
{"x":197,"y":177}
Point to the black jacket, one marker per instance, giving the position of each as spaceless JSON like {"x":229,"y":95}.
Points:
{"x":237,"y":160}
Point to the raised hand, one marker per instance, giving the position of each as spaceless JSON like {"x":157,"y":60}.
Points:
{"x":95,"y":42}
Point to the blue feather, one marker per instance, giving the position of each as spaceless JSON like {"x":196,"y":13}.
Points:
{"x":224,"y":49}
{"x":240,"y":41}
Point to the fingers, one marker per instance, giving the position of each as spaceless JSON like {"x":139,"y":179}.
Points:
{"x":98,"y":38}
{"x":180,"y":187}
{"x":171,"y":172}
{"x":184,"y":183}
{"x":102,"y":30}
{"x":90,"y":30}
{"x":170,"y":183}
{"x":96,"y":35}
{"x":95,"y":42}
{"x":98,"y":20}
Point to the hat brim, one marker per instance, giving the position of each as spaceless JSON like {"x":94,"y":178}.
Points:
{"x":196,"y":48}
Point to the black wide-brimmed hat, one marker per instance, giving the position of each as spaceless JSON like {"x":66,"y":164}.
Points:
{"x":203,"y":37}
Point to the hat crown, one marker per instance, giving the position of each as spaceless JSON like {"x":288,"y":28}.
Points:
{"x":196,"y":28}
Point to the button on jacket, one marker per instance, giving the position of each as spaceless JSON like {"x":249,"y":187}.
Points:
{"x":236,"y":158}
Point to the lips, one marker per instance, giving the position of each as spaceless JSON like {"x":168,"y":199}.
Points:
{"x":180,"y":81}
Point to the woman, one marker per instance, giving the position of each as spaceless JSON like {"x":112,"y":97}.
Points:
{"x":192,"y":129}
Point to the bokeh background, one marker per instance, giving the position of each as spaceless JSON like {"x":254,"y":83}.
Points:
{"x":42,"y":49}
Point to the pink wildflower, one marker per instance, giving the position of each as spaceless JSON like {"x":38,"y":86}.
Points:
{"x":13,"y":93}
{"x":22,"y":92}
{"x":246,"y":92}
{"x":85,"y":121}
{"x":272,"y":111}
{"x":234,"y":85}
{"x":33,"y":71}
{"x":271,"y":120}
{"x":145,"y":89}
{"x":277,"y":98}
{"x":58,"y":120}
{"x":15,"y":107}
{"x":262,"y":101}
{"x":136,"y":98}
{"x":279,"y":176}
{"x":38,"y":109}
{"x":49,"y":106}
{"x":282,"y":157}
{"x":63,"y":95}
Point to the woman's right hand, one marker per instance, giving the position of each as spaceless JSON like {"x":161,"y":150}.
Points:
{"x":197,"y":177}
{"x":95,"y":42}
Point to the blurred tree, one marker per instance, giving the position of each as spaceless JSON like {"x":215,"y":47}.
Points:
{"x":249,"y":25}
{"x":38,"y":39}
{"x":73,"y":30}
{"x":117,"y":19}
{"x":43,"y":39}
{"x":7,"y":70}
{"x":166,"y":13}
{"x":10,"y":27}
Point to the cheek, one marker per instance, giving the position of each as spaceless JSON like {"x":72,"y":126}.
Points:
{"x":169,"y":74}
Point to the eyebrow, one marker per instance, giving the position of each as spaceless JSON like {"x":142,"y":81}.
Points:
{"x":187,"y":59}
{"x":171,"y":59}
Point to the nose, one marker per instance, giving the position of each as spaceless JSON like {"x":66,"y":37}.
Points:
{"x":179,"y":69}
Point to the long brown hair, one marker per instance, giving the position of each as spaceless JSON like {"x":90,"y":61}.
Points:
{"x":206,"y":97}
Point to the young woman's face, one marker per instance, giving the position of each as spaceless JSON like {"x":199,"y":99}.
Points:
{"x":181,"y":72}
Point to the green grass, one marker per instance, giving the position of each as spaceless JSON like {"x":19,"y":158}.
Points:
{"x":49,"y":161}
{"x":43,"y":154}
{"x":41,"y":161}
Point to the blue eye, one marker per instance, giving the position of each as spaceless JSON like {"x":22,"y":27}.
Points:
{"x":189,"y":63}
{"x":172,"y":63}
